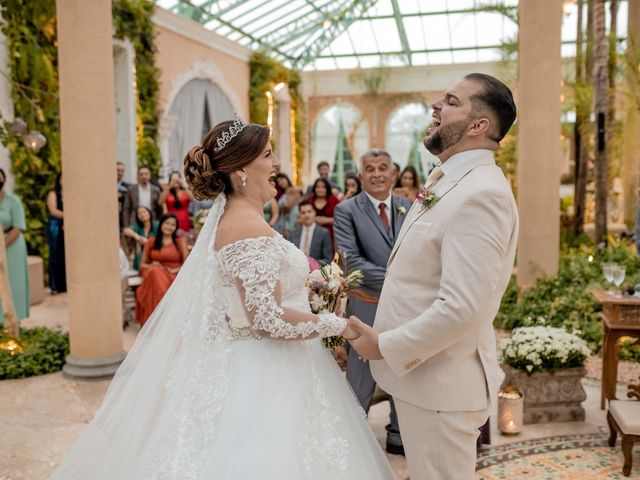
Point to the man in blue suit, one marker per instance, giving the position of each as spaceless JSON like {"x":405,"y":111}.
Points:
{"x":365,"y":229}
{"x":314,"y":240}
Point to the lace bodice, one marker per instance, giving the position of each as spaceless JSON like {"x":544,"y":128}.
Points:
{"x":263,"y":267}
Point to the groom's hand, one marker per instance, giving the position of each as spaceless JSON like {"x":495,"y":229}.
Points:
{"x":366,"y":344}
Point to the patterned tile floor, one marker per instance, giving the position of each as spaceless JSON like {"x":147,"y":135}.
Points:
{"x":567,"y":457}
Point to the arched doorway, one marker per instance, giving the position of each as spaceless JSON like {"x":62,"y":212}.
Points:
{"x":405,"y":131}
{"x":199,"y":105}
{"x":339,"y":136}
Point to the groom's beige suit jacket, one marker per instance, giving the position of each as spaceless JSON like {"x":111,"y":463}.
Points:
{"x":445,"y":278}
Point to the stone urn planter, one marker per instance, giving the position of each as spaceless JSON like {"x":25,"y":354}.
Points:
{"x":549,"y":396}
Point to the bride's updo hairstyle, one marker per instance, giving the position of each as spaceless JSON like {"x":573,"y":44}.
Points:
{"x":208,"y":172}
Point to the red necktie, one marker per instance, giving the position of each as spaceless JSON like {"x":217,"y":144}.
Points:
{"x":383,"y":216}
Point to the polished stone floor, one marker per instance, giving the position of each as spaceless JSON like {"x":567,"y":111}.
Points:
{"x":40,"y":417}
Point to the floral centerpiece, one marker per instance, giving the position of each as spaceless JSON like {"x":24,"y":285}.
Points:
{"x":328,"y":287}
{"x":547,"y":365}
{"x":536,"y":349}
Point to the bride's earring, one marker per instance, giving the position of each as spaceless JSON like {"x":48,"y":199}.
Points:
{"x":244,"y":181}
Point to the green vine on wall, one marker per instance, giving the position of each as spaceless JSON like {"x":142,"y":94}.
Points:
{"x":266,"y":73}
{"x":30,"y":32}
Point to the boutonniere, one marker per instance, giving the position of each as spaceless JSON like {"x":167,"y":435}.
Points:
{"x":400,"y":210}
{"x":427,"y":198}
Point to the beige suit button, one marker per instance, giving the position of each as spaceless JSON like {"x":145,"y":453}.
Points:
{"x":411,"y":364}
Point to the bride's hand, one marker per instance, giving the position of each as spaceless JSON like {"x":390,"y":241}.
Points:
{"x":351,"y":331}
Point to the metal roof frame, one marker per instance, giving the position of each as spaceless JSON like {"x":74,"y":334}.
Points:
{"x":299,"y":32}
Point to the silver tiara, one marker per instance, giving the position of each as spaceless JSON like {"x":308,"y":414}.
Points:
{"x":237,"y":126}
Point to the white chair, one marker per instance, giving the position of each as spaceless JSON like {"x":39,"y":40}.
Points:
{"x":623,"y":416}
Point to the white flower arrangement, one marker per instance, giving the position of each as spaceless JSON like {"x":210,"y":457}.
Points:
{"x":327,"y":286}
{"x":536,"y":349}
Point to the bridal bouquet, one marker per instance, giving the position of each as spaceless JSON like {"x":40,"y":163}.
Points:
{"x":328,"y":287}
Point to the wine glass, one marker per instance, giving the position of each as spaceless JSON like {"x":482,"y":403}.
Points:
{"x":607,"y":270}
{"x":619,"y":272}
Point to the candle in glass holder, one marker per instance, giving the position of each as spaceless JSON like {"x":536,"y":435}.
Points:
{"x":510,"y":411}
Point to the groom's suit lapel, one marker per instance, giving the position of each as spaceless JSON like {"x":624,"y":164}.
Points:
{"x":441,"y":188}
{"x":365,"y":205}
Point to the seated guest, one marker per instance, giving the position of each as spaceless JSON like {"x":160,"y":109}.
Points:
{"x":324,"y":202}
{"x":141,"y":231}
{"x":283,"y":182}
{"x":162,"y":257}
{"x":288,"y":205}
{"x":312,"y":239}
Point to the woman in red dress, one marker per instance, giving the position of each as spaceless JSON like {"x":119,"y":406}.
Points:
{"x":162,"y":257}
{"x":324,"y":203}
{"x":176,"y":199}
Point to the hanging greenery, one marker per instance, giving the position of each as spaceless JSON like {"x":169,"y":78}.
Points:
{"x":132,"y":20}
{"x":266,"y":73}
{"x":30,"y":31}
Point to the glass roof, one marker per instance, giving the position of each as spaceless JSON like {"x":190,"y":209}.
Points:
{"x":340,"y":34}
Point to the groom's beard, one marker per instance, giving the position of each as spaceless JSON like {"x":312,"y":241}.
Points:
{"x":445,"y":137}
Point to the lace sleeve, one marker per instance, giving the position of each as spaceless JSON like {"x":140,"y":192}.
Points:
{"x":255,"y":265}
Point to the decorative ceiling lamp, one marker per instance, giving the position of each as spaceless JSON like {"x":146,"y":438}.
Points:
{"x":18,"y":127}
{"x":35,"y":141}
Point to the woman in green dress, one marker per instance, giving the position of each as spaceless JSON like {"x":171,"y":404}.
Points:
{"x":141,"y":231}
{"x":14,"y":223}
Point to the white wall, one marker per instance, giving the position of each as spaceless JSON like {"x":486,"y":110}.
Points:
{"x":125,"y":96}
{"x":6,"y":107}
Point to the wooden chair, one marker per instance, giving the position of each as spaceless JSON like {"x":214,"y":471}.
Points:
{"x":623,"y":416}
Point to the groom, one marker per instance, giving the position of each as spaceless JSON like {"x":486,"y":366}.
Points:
{"x":433,"y":342}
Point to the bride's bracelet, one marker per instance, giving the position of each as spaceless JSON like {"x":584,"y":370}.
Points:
{"x":330,"y":325}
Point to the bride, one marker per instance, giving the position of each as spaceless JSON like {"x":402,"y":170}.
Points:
{"x":228,"y":380}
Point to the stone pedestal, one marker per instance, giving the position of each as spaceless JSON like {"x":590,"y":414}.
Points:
{"x":36,"y":279}
{"x":549,"y":396}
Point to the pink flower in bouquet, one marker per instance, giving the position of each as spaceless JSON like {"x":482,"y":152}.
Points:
{"x":313,"y":264}
{"x":316,"y":277}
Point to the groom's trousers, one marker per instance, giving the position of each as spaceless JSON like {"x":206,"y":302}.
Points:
{"x":440,"y":445}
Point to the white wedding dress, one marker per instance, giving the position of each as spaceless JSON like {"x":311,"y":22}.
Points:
{"x":201,"y":397}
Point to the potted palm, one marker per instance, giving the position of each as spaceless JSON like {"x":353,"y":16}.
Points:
{"x":547,"y":365}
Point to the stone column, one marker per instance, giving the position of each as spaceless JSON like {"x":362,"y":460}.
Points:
{"x":631,"y":160}
{"x":539,"y":149}
{"x":88,"y":137}
{"x":282,"y":128}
